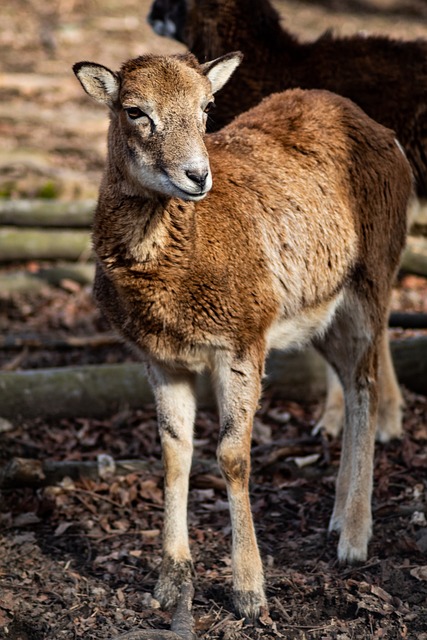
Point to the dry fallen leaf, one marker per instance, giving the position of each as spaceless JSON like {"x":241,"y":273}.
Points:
{"x":420,"y":573}
{"x":383,"y":595}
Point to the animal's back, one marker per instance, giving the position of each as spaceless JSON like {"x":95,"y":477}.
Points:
{"x":330,"y":188}
{"x":387,"y":78}
{"x":319,"y":169}
{"x":279,"y":233}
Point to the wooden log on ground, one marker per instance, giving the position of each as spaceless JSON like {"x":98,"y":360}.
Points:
{"x":95,"y":391}
{"x":19,"y":282}
{"x":72,"y":391}
{"x":36,"y":244}
{"x":414,"y":259}
{"x":29,"y":472}
{"x":47,"y":213}
{"x":407,"y":320}
{"x":419,"y":221}
{"x":35,"y":473}
{"x":81,"y":272}
{"x":11,"y":342}
{"x":23,"y":282}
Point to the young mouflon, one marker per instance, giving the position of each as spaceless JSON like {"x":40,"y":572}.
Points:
{"x":371,"y":70}
{"x":284,"y":228}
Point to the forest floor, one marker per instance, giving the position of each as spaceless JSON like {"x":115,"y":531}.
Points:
{"x":80,"y":559}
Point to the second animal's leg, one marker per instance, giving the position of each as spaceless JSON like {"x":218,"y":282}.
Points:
{"x":352,"y":511}
{"x":390,"y":397}
{"x":176,"y":405}
{"x":390,"y":400}
{"x":238,"y":383}
{"x":353,"y":351}
{"x":332,"y":418}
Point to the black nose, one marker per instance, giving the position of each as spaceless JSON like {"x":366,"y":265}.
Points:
{"x":199,"y":177}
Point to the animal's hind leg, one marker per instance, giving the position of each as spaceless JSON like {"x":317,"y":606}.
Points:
{"x":332,"y":419}
{"x":353,"y":352}
{"x":390,"y":401}
{"x":176,"y":405}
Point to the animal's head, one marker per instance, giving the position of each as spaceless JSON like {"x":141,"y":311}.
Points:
{"x":159,"y":107}
{"x":168,"y":18}
{"x":210,"y":25}
{"x":171,"y":18}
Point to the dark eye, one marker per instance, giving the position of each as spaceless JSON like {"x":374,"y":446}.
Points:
{"x":135,"y":112}
{"x":209,"y":107}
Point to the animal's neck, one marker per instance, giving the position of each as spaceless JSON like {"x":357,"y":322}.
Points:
{"x":135,"y":230}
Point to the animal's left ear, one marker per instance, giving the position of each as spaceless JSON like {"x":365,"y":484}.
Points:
{"x":219,"y":70}
{"x":98,"y":81}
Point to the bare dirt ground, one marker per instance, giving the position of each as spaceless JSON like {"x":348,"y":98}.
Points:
{"x":80,"y":560}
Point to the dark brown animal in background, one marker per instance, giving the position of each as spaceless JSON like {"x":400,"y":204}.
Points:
{"x":386,"y":78}
{"x":298,"y":240}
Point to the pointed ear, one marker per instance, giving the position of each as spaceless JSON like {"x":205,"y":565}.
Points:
{"x":219,"y":70}
{"x":98,"y":81}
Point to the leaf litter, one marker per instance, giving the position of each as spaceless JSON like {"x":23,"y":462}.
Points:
{"x":80,"y":559}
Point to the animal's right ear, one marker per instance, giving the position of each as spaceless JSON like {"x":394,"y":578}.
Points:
{"x":98,"y":81}
{"x":219,"y":70}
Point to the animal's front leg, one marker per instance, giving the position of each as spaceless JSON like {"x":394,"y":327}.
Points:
{"x":175,"y":401}
{"x":238,"y":389}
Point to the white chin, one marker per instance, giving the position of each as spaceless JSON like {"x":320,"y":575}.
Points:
{"x":195,"y":198}
{"x":177,"y":192}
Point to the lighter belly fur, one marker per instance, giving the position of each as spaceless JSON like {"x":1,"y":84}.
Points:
{"x":298,"y":331}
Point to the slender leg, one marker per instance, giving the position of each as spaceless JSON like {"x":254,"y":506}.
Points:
{"x":238,"y":389}
{"x":390,"y":397}
{"x":176,"y":405}
{"x":353,"y":350}
{"x":389,"y":424}
{"x":352,"y":510}
{"x":332,"y":419}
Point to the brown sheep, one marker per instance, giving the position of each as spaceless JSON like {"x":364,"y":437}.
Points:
{"x":386,"y":78}
{"x":298,"y":240}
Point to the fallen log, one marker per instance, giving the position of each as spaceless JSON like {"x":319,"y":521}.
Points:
{"x":23,"y":282}
{"x":36,"y":244}
{"x":414,"y":259}
{"x":73,"y":391}
{"x":81,"y":272}
{"x":30,"y":472}
{"x":47,"y":213}
{"x":11,"y":342}
{"x":35,"y":473}
{"x":418,"y":225}
{"x":407,"y":320}
{"x":102,"y":390}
